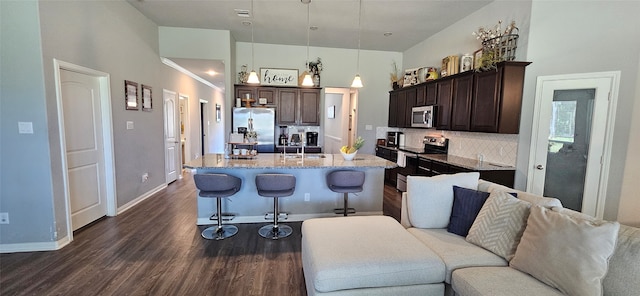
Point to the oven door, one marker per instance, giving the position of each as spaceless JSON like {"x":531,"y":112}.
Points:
{"x":422,"y":117}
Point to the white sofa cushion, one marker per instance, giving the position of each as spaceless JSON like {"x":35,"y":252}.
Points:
{"x":548,"y":202}
{"x":498,"y":281}
{"x":365,"y":252}
{"x":430,"y":199}
{"x":566,"y":252}
{"x":500,"y":224}
{"x":623,"y":276}
{"x":454,"y":251}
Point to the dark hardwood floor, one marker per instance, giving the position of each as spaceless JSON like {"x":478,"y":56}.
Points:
{"x":156,"y":249}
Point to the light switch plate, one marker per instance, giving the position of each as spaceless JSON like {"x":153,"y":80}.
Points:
{"x":25,"y":127}
{"x":368,"y":127}
{"x":129,"y":125}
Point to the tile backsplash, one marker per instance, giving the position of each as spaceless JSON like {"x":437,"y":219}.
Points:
{"x":495,"y":148}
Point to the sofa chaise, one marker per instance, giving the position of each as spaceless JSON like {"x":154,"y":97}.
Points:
{"x":460,"y":235}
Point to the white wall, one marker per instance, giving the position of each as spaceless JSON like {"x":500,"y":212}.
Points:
{"x":579,"y":37}
{"x":339,"y":69}
{"x":629,"y":197}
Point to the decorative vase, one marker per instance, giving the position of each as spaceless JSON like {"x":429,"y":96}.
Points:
{"x":349,"y":156}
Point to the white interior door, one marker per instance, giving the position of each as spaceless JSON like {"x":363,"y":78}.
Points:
{"x":82,"y":117}
{"x":571,"y":125}
{"x":172,"y":136}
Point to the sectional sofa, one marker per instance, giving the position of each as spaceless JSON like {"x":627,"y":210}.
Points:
{"x":463,"y":236}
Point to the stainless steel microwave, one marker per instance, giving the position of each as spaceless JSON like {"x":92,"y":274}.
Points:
{"x":423,"y":116}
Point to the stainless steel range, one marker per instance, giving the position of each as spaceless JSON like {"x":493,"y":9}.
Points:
{"x":435,"y":145}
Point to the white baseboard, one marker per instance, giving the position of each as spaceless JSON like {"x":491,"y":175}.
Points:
{"x":139,"y":199}
{"x":34,"y":247}
{"x":291,"y":218}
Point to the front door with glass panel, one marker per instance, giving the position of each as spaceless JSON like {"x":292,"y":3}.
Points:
{"x":569,"y":140}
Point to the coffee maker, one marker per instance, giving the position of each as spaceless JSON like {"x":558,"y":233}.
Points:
{"x":312,"y":138}
{"x":283,"y":140}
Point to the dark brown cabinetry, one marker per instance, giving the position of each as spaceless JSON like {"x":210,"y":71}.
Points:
{"x":443,"y":98}
{"x":469,"y":101}
{"x":298,"y":106}
{"x":294,"y":106}
{"x":429,"y":168}
{"x":461,"y":103}
{"x":497,"y":99}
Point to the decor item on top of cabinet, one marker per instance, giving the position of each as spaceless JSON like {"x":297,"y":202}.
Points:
{"x":431,"y":73}
{"x":477,"y":59}
{"x":243,"y":75}
{"x":497,"y":45}
{"x":411,"y":77}
{"x":315,"y":68}
{"x":466,"y":63}
{"x":279,"y":77}
{"x":395,"y":76}
{"x":450,"y":65}
{"x":349,"y":152}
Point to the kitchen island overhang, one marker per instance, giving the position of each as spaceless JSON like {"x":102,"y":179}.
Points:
{"x":312,"y":197}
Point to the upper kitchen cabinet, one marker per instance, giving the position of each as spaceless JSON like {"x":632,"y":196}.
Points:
{"x":298,"y":106}
{"x":256,"y":93}
{"x":393,"y":109}
{"x":461,"y":102}
{"x":443,"y":98}
{"x":497,"y":99}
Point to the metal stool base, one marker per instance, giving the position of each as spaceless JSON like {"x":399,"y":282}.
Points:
{"x":267,"y":231}
{"x":216,"y":233}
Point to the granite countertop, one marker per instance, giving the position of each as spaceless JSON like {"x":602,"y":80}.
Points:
{"x":291,"y":161}
{"x":467,"y":163}
{"x":463,"y":162}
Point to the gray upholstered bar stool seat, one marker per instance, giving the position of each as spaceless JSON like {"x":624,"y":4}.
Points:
{"x":218,"y":186}
{"x":345,"y":182}
{"x":275,"y":186}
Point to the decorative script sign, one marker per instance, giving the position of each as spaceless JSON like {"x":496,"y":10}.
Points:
{"x":280,"y":77}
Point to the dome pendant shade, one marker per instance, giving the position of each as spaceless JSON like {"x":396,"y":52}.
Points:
{"x":253,"y":78}
{"x":307,"y":81}
{"x":357,"y":82}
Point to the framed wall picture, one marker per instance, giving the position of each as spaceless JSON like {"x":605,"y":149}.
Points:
{"x":477,"y":59}
{"x":218,"y":113}
{"x":331,"y":111}
{"x":131,"y":95}
{"x":466,"y":63}
{"x":146,"y":98}
{"x":279,"y":77}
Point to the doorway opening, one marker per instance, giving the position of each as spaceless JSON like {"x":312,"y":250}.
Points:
{"x":340,"y":125}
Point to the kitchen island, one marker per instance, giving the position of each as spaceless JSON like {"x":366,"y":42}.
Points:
{"x":312,"y":197}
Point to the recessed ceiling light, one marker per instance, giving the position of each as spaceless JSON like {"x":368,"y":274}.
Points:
{"x":387,"y":34}
{"x":313,"y":28}
{"x":212,"y":73}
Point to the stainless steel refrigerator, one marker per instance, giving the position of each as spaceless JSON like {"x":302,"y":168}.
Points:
{"x":264,"y":121}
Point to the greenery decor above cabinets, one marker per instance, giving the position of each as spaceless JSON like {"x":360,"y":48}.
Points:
{"x":470,"y":101}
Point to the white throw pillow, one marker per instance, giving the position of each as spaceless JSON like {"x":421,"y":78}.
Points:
{"x":430,"y":199}
{"x":499,"y":224}
{"x":565,"y":251}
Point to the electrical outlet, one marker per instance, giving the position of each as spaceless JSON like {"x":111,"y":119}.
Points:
{"x":307,"y":196}
{"x":4,"y":218}
{"x":145,"y":177}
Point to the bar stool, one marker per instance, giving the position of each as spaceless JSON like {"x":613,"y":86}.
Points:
{"x":218,"y":186}
{"x":345,"y":182}
{"x":275,"y":185}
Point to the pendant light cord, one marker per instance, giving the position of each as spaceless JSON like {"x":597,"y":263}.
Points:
{"x":359,"y":29}
{"x":252,"y":20}
{"x":308,"y":25}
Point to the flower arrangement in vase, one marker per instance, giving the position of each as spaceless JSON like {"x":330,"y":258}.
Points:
{"x":349,"y":152}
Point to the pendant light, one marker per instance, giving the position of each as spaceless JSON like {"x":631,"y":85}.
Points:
{"x":253,"y":77}
{"x":357,"y":82}
{"x":307,"y":81}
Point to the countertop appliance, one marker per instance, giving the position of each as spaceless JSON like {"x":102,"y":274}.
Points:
{"x":422,"y":116}
{"x":393,"y":139}
{"x":312,"y":138}
{"x":432,"y":145}
{"x":264,"y":122}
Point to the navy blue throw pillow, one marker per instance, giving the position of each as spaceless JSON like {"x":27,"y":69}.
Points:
{"x":466,"y":206}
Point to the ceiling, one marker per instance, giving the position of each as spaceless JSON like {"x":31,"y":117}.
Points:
{"x":285,"y":21}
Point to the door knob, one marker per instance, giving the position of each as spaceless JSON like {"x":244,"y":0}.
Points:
{"x":540,"y":167}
